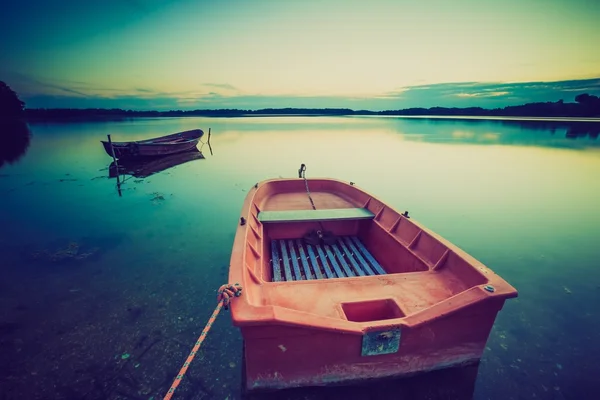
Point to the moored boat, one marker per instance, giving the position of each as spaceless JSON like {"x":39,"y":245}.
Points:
{"x":160,"y":146}
{"x":340,"y":288}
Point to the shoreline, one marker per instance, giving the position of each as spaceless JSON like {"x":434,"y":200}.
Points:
{"x":108,"y":117}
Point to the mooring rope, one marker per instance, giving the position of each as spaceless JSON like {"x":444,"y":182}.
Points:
{"x":302,"y":174}
{"x":224,"y":296}
{"x":321,"y":233}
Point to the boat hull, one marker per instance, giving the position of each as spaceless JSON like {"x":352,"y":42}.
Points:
{"x":386,"y":298}
{"x":294,"y":357}
{"x":162,"y":146}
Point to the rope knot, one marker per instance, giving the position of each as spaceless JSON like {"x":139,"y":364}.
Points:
{"x":227,"y":292}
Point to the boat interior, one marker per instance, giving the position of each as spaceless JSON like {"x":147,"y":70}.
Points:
{"x":353,"y":257}
{"x":180,"y":137}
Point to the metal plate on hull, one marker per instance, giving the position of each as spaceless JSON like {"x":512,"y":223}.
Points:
{"x":381,"y":342}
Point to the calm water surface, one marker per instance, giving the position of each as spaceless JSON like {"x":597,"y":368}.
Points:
{"x":102,"y":296}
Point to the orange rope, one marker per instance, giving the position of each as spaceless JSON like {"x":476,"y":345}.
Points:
{"x":224,"y":295}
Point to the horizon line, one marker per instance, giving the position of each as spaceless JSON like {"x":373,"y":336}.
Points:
{"x":346,"y":109}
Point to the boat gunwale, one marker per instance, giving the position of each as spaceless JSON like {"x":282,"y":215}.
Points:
{"x":476,"y":264}
{"x":124,"y":144}
{"x":287,"y":317}
{"x":198,"y":133}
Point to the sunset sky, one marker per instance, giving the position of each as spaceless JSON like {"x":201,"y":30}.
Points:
{"x":381,"y":54}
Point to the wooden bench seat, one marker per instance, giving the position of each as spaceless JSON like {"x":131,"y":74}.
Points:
{"x":332,"y":214}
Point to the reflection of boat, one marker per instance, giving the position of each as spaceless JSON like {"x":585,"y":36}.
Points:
{"x":164,"y":145}
{"x":367,"y":293}
{"x":143,"y":167}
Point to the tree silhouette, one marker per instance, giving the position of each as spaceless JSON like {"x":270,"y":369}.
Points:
{"x":10,"y":104}
{"x":588,"y":100}
{"x":590,"y":104}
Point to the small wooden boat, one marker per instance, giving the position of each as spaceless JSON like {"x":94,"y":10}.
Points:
{"x":351,"y":290}
{"x":161,"y":146}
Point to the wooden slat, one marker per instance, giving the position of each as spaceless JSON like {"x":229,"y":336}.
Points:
{"x":365,"y":265}
{"x":342,"y":260}
{"x":286,"y":261}
{"x":368,"y":256}
{"x":347,"y":258}
{"x":315,"y":263}
{"x":304,"y":260}
{"x":323,"y":258}
{"x":294,"y":257}
{"x":348,"y":254}
{"x":276,"y":266}
{"x":336,"y":266}
{"x":332,"y":214}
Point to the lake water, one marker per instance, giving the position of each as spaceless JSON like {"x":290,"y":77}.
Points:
{"x":102,"y":296}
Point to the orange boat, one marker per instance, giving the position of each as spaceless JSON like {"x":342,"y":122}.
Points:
{"x":339,"y":288}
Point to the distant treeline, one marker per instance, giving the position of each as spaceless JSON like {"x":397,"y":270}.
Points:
{"x":585,"y":106}
{"x":117,"y":112}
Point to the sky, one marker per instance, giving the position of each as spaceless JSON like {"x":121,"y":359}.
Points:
{"x":378,"y":54}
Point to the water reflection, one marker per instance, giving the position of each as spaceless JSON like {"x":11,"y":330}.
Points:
{"x":172,"y":253}
{"x":142,"y":168}
{"x":572,"y":129}
{"x":15,"y":136}
{"x":583,"y":130}
{"x":537,"y":132}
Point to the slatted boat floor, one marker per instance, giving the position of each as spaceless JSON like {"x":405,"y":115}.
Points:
{"x":294,"y":260}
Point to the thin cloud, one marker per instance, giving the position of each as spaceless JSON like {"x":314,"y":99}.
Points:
{"x":220,"y":86}
{"x":482,"y":94}
{"x":60,"y":94}
{"x":393,"y":94}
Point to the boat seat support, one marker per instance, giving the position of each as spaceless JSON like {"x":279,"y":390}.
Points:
{"x":331,"y":214}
